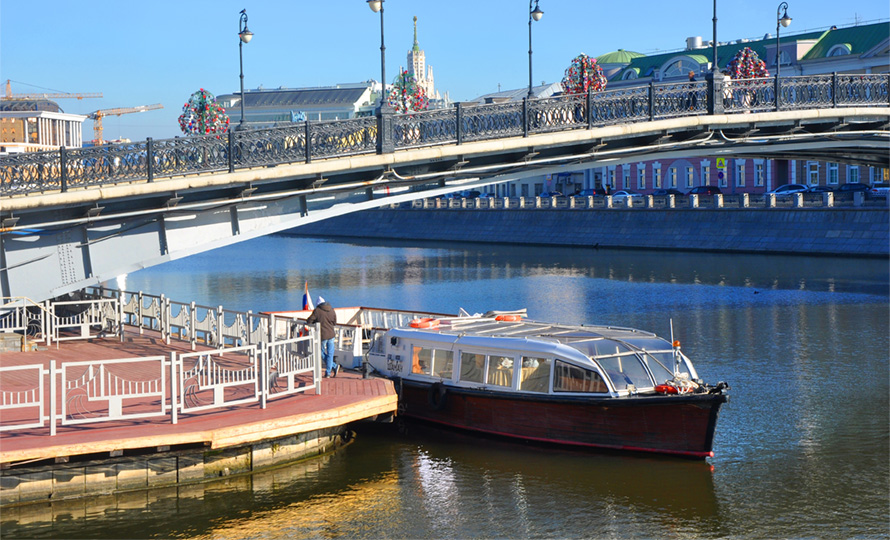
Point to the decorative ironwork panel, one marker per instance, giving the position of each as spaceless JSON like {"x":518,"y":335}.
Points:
{"x":22,"y":387}
{"x":218,"y":378}
{"x":426,"y":128}
{"x":863,"y":89}
{"x":750,"y":95}
{"x":494,"y":121}
{"x":291,"y":366}
{"x":106,"y":164}
{"x":339,"y":138}
{"x":806,"y":92}
{"x":680,"y":99}
{"x":30,"y":172}
{"x":621,"y":106}
{"x":286,"y":144}
{"x":190,"y":155}
{"x":557,"y":114}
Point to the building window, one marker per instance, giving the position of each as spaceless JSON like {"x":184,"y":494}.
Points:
{"x":813,"y":172}
{"x":853,"y":174}
{"x":625,"y":174}
{"x":841,"y":49}
{"x":705,"y":175}
{"x":672,"y":177}
{"x":758,"y":174}
{"x":832,"y":173}
{"x":656,"y":178}
{"x":611,"y":173}
{"x":641,"y":176}
{"x":690,"y":177}
{"x":680,"y":68}
{"x":740,"y":174}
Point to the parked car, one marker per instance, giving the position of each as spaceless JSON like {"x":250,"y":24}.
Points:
{"x":705,"y":190}
{"x":853,"y":187}
{"x":880,"y":190}
{"x":471,"y":194}
{"x":788,"y":190}
{"x":820,"y":189}
{"x":597,"y":192}
{"x":668,"y":191}
{"x":623,"y":194}
{"x":487,"y":196}
{"x":550,"y":194}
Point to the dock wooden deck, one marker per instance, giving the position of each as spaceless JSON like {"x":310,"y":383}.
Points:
{"x":344,"y":399}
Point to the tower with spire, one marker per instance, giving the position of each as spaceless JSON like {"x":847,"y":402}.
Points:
{"x":417,"y":67}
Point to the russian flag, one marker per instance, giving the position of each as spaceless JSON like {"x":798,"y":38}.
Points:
{"x":307,"y":300}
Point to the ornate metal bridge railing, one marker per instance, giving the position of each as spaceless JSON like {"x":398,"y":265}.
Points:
{"x":65,"y":169}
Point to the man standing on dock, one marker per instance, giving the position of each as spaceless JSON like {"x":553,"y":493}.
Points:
{"x":324,"y":314}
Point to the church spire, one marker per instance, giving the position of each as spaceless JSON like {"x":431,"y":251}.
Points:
{"x":416,"y":46}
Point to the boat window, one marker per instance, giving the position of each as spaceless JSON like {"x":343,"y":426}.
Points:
{"x":421,"y":360}
{"x":472,"y":367}
{"x":624,"y":371}
{"x":442,"y":363}
{"x":660,"y":364}
{"x":535,"y":375}
{"x":500,"y":370}
{"x":569,"y":378}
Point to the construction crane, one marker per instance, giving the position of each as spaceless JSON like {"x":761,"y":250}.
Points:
{"x":58,"y":95}
{"x":97,"y":116}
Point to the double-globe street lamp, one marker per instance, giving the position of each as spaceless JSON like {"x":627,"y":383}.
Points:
{"x":782,"y":19}
{"x":536,"y":15}
{"x":244,"y":36}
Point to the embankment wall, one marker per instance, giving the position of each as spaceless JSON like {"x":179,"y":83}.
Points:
{"x":862,"y":232}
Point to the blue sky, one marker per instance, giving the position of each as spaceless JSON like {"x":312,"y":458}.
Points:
{"x":140,"y":53}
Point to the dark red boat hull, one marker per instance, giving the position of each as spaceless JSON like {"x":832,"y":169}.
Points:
{"x":680,"y":425}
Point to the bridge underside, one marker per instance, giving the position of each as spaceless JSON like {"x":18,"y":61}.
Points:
{"x":54,"y":243}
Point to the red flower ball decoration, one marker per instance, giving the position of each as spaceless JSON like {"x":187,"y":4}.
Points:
{"x":406,"y":95}
{"x":582,"y":75}
{"x":203,"y":115}
{"x":747,"y":65}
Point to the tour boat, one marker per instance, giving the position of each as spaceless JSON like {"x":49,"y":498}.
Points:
{"x":499,"y":373}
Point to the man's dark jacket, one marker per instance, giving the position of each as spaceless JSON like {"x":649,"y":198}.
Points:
{"x":324,"y":314}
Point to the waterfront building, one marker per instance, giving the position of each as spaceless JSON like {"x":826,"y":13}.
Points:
{"x":855,"y":49}
{"x":37,"y":125}
{"x":268,"y":108}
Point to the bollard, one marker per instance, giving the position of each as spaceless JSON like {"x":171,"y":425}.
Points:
{"x":607,"y":201}
{"x":650,"y":201}
{"x":828,"y":199}
{"x":671,"y":201}
{"x":770,"y":200}
{"x":718,"y":200}
{"x":693,"y":200}
{"x":798,"y":200}
{"x":745,"y":201}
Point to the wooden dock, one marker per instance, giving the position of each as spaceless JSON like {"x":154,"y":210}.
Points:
{"x":289,"y":427}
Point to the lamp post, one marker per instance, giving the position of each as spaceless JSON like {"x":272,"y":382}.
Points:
{"x":714,"y":67}
{"x":244,"y":36}
{"x":377,"y":7}
{"x":385,"y":143}
{"x":536,"y":15}
{"x":782,"y":19}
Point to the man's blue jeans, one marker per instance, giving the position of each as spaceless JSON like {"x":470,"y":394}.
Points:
{"x":327,"y":355}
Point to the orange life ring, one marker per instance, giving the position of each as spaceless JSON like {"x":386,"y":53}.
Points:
{"x":508,"y":318}
{"x":426,"y":322}
{"x":666,"y":389}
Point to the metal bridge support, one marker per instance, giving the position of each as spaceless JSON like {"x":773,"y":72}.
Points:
{"x":385,"y":142}
{"x":715,"y":92}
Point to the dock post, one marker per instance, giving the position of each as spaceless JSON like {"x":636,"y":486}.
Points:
{"x":173,"y":390}
{"x":52,"y":398}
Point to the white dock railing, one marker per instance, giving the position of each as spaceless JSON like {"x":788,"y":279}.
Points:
{"x":172,"y":384}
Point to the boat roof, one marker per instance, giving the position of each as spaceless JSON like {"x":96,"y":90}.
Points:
{"x":535,"y":336}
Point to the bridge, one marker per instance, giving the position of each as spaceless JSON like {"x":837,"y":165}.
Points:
{"x":77,"y":217}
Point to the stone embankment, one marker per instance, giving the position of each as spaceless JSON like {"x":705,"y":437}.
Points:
{"x":783,"y":227}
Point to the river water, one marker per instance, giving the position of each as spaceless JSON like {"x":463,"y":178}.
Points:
{"x":802,"y":449}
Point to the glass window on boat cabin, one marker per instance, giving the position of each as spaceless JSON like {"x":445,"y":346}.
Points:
{"x":625,"y":370}
{"x":435,"y":362}
{"x":500,"y":370}
{"x":472,"y":367}
{"x":535,"y":374}
{"x":569,"y":378}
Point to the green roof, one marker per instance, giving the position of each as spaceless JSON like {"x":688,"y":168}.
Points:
{"x":859,"y":38}
{"x":618,"y":57}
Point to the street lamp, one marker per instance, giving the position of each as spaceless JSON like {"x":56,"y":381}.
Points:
{"x":536,"y":15}
{"x":244,"y":36}
{"x":782,"y":19}
{"x":377,"y":7}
